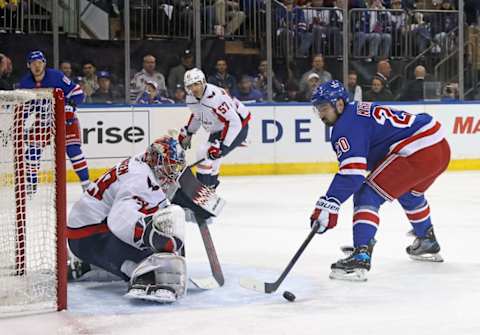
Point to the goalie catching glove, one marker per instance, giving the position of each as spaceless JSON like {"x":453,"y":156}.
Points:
{"x":325,"y":213}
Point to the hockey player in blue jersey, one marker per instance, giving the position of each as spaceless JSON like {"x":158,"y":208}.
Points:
{"x":40,"y":76}
{"x":404,"y":153}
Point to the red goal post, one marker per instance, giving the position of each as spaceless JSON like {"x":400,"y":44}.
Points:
{"x":33,"y":254}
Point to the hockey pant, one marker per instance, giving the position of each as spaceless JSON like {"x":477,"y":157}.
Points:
{"x":39,"y":138}
{"x":405,"y":179}
{"x":208,"y":170}
{"x":106,"y":251}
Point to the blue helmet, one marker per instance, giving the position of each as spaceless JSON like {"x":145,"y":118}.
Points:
{"x":35,"y":55}
{"x":329,"y":92}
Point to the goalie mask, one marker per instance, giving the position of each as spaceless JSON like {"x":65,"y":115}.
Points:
{"x":166,"y":158}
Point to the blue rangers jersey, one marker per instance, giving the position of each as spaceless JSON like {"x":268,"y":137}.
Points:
{"x":366,"y":133}
{"x":55,"y":79}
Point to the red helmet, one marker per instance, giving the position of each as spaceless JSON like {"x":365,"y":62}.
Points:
{"x":166,"y":158}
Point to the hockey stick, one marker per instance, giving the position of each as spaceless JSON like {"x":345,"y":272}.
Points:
{"x":211,"y":253}
{"x":265,"y":287}
{"x":196,"y":163}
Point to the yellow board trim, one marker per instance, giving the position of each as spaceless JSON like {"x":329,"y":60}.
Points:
{"x":286,"y":168}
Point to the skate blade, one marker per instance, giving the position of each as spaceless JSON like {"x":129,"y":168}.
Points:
{"x":358,"y":275}
{"x":436,"y":258}
{"x":159,"y":296}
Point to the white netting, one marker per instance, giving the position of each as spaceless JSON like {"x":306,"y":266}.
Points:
{"x":28,"y":270}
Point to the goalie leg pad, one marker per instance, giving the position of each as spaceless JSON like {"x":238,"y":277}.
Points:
{"x":161,"y":277}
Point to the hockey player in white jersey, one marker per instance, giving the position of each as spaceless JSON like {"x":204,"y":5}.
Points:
{"x":125,"y":224}
{"x":225,"y":118}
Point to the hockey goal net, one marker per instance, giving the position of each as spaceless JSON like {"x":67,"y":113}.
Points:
{"x":32,"y":201}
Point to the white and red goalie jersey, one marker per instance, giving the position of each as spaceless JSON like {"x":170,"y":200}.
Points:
{"x":117,"y":201}
{"x":216,"y":111}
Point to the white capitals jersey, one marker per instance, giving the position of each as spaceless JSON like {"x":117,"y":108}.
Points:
{"x":216,"y":111}
{"x":116,"y":202}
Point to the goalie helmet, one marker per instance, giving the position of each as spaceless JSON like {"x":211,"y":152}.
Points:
{"x":329,"y":92}
{"x":166,"y":158}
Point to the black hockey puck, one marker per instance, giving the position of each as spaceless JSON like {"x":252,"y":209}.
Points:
{"x":289,"y":296}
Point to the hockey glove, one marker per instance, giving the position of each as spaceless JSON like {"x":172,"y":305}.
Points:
{"x":325,"y":213}
{"x":215,"y":151}
{"x":185,"y":139}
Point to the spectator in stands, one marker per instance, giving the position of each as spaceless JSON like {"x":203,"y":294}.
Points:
{"x":384,"y":70}
{"x":354,"y":90}
{"x":222,"y":78}
{"x":260,"y":82}
{"x":106,"y":93}
{"x":326,"y":27}
{"x":9,"y":17}
{"x":148,"y":73}
{"x":66,"y":68}
{"x":179,"y":95}
{"x":414,"y":90}
{"x":399,"y":28}
{"x":442,"y":26}
{"x":313,"y":81}
{"x":318,"y":65}
{"x":378,"y":92}
{"x":90,"y":78}
{"x":293,"y":93}
{"x":375,"y":27}
{"x":227,"y":17}
{"x":175,"y":77}
{"x":246,"y":92}
{"x":6,"y":69}
{"x":292,"y":26}
{"x":152,"y":96}
{"x":450,"y":92}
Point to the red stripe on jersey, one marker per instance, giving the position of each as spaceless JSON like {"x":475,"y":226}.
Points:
{"x":355,"y":166}
{"x":246,"y":120}
{"x":83,"y":232}
{"x":413,"y":138}
{"x":366,"y":216}
{"x":422,"y":215}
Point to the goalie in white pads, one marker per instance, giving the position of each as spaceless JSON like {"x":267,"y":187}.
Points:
{"x":225,"y":118}
{"x":125,"y":224}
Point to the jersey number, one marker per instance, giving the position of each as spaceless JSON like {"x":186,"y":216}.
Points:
{"x":223,"y":108}
{"x":398,"y":120}
{"x":103,"y":183}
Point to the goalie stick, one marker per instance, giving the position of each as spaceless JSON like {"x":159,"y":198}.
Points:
{"x":266,"y":287}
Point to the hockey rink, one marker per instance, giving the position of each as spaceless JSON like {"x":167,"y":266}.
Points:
{"x":264,"y":222}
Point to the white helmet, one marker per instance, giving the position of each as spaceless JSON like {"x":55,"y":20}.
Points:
{"x":193,"y":76}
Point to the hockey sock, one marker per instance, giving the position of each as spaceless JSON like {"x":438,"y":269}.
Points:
{"x":418,"y":212}
{"x":79,"y":163}
{"x":32,"y":163}
{"x":365,"y":224}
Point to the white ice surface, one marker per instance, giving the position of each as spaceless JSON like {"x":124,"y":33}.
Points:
{"x":264,"y":222}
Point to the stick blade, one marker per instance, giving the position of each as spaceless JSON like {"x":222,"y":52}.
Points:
{"x":206,"y":283}
{"x":253,"y":284}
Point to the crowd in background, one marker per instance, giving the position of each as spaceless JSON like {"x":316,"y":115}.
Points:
{"x":315,"y":31}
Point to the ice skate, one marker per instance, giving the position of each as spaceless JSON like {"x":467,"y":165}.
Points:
{"x":355,"y":266}
{"x":425,"y":249}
